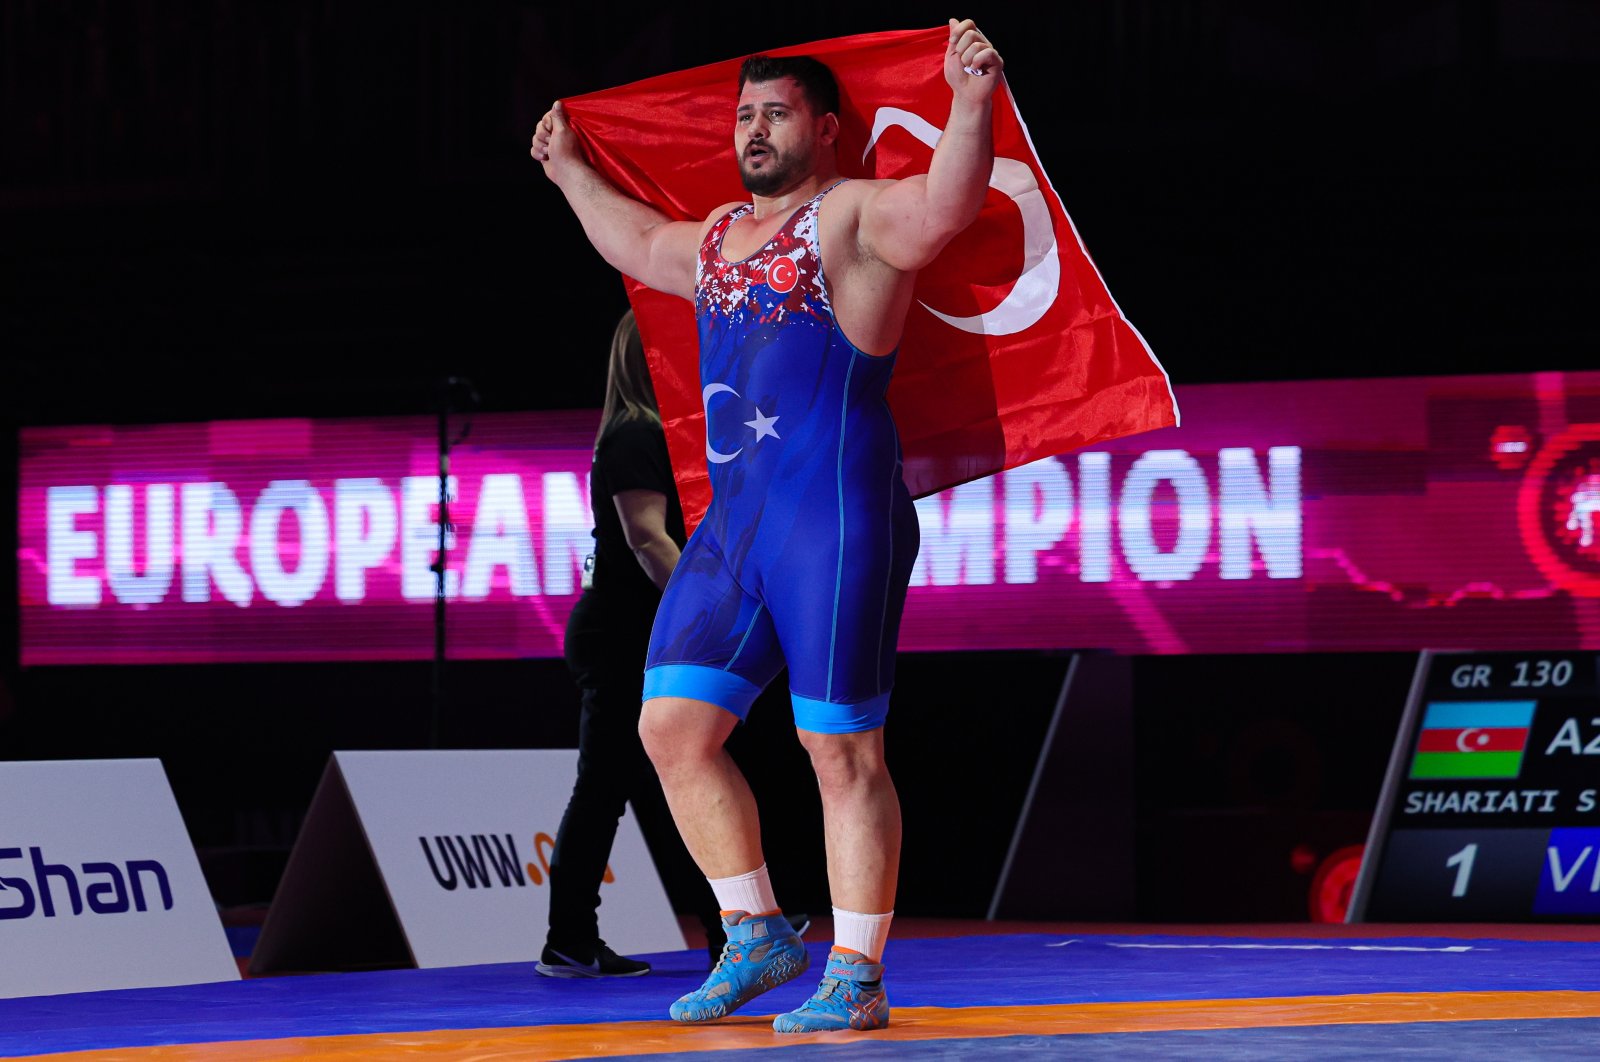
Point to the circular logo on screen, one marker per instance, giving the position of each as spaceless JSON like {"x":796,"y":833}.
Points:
{"x":782,"y":275}
{"x":1559,"y":509}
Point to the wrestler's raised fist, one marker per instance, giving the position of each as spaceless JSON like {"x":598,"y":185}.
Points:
{"x":971,"y":65}
{"x":554,"y":144}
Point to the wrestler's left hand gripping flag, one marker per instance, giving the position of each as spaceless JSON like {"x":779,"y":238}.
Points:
{"x":1013,"y":348}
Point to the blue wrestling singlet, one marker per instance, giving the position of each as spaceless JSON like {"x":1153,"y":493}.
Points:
{"x":805,"y":552}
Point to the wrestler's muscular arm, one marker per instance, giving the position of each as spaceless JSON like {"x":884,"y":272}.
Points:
{"x":636,"y":239}
{"x":905,"y":224}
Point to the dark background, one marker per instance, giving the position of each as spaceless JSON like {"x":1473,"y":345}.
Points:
{"x":253,"y":209}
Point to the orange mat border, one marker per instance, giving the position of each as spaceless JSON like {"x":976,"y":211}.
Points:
{"x":552,"y":1043}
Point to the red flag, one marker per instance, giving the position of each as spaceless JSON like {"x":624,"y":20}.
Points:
{"x":1013,"y":350}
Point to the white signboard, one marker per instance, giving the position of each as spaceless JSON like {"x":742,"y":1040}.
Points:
{"x":462,"y":842}
{"x":99,"y":884}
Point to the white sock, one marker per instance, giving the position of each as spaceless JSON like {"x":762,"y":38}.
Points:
{"x":750,"y":893}
{"x":866,"y":933}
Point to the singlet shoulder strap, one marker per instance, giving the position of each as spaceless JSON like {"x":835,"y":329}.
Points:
{"x":711,"y":247}
{"x":841,"y":181}
{"x":713,"y":240}
{"x":805,"y":219}
{"x":815,"y":202}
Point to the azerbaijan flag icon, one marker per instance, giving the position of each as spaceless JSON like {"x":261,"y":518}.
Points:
{"x":1477,"y":739}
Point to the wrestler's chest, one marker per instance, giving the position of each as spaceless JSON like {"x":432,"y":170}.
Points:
{"x":828,"y":236}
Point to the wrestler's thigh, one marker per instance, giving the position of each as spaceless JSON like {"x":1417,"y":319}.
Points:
{"x":712,"y":641}
{"x":704,"y":613}
{"x":836,"y":619}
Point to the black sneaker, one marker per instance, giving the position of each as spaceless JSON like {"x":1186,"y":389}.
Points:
{"x":601,"y":962}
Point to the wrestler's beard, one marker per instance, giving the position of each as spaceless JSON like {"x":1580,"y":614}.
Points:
{"x":781,"y":170}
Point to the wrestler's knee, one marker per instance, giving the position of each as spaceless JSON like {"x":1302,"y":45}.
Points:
{"x":682,"y":732}
{"x":844,"y":762}
{"x":655,"y":732}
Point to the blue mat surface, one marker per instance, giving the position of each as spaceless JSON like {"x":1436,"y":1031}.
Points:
{"x":949,"y":972}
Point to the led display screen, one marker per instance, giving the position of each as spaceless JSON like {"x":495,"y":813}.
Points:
{"x":1490,"y":811}
{"x":1446,"y":512}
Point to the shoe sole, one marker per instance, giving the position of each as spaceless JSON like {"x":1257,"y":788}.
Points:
{"x":573,"y":973}
{"x":797,"y":1027}
{"x":774,"y":977}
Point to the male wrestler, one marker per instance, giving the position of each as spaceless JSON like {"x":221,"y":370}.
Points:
{"x":805,"y":552}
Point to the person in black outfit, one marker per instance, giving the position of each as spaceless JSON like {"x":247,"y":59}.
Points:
{"x":638,"y":532}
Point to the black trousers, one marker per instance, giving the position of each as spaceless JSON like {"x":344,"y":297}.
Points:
{"x":613,"y":770}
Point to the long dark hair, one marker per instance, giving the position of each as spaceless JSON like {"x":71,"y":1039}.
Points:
{"x":629,"y":393}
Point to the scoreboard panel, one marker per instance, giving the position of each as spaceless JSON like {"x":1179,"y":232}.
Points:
{"x":1490,"y":811}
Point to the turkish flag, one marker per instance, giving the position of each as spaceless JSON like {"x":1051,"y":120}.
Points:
{"x":1013,"y":349}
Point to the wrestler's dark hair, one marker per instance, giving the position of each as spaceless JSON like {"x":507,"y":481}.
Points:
{"x":816,"y":81}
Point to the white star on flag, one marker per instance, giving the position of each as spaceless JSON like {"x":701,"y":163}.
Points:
{"x":763,"y":425}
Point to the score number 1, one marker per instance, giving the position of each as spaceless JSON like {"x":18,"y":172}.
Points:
{"x":1462,"y":861}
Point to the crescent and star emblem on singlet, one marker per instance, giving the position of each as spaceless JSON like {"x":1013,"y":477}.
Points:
{"x":782,"y":275}
{"x":763,"y":424}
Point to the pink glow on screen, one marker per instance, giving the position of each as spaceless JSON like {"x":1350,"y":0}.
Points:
{"x":1335,"y":515}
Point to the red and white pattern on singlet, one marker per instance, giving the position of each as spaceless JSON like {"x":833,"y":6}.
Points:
{"x":789,"y":265}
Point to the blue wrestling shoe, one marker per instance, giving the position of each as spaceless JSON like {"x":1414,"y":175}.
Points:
{"x":763,"y":952}
{"x":851,"y":996}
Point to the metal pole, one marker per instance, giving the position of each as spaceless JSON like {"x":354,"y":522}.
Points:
{"x":439,"y":568}
{"x":448,"y":387}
